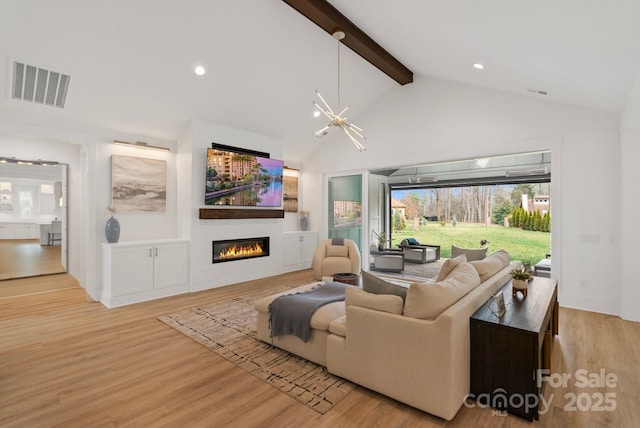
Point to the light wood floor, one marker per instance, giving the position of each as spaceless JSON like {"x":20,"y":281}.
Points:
{"x":40,"y":284}
{"x":71,"y":363}
{"x":26,"y":257}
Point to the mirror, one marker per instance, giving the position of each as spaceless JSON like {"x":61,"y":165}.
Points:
{"x":33,"y":218}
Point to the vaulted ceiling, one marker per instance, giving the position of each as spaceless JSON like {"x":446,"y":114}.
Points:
{"x":131,"y":62}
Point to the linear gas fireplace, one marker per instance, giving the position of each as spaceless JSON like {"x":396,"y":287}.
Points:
{"x":239,"y":249}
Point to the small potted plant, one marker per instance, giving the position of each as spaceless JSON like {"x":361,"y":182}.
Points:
{"x":520,"y":280}
{"x":381,"y":238}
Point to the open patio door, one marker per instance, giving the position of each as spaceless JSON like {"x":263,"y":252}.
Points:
{"x":345,"y":208}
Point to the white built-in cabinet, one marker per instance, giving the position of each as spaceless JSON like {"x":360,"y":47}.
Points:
{"x":19,"y":231}
{"x":136,"y":271}
{"x":298,"y":250}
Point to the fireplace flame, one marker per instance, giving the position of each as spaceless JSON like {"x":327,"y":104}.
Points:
{"x":241,"y":251}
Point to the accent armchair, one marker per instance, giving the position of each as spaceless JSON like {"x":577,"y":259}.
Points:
{"x":415,"y":252}
{"x":387,"y":260}
{"x":335,"y":255}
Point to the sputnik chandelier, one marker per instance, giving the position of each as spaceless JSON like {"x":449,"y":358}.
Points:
{"x":337,"y":119}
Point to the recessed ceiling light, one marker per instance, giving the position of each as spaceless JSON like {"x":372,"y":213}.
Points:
{"x":199,"y":70}
{"x":478,"y":66}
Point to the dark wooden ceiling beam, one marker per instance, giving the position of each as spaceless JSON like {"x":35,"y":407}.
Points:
{"x":329,"y":19}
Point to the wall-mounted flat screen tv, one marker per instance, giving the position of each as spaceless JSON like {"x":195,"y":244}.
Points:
{"x":241,"y":179}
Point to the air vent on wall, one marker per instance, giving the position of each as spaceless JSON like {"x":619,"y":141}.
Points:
{"x":38,"y":85}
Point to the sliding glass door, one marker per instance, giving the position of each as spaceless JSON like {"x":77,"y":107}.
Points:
{"x":345,"y":208}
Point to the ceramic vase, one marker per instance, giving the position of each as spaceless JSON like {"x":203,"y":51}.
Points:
{"x":112,"y":230}
{"x":519,"y":285}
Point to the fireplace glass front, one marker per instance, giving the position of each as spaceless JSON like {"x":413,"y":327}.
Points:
{"x":240,"y":249}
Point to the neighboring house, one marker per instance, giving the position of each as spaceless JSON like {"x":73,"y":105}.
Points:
{"x":398,"y":207}
{"x":541,"y":203}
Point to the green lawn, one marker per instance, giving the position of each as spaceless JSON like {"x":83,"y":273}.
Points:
{"x":527,"y":246}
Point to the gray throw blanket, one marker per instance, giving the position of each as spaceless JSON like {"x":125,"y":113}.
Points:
{"x":337,"y":241}
{"x":291,"y":314}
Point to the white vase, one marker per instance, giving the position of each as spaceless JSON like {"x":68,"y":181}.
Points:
{"x":520,"y":285}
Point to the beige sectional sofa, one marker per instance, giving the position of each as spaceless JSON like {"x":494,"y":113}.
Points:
{"x":416,"y":349}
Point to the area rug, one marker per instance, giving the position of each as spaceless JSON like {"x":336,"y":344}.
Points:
{"x":229,"y":329}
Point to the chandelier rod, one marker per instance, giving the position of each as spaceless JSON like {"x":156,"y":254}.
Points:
{"x":338,"y":34}
{"x":338,"y":74}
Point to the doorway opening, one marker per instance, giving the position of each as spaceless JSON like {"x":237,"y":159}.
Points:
{"x":493,"y":203}
{"x":33,"y":218}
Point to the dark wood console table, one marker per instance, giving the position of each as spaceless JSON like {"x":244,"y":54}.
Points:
{"x":507,"y":352}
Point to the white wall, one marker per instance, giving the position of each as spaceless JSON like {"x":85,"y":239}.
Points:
{"x":434,"y":120}
{"x":88,"y":152}
{"x":204,"y":274}
{"x":630,"y":300}
{"x":630,"y":176}
{"x":135,"y":226}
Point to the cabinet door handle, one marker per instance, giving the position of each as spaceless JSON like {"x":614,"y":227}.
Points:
{"x":150,"y":253}
{"x":156,"y":252}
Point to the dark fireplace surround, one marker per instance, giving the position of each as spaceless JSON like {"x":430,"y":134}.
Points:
{"x":229,"y":250}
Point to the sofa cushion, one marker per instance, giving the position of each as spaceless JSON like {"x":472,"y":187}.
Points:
{"x":471,"y":253}
{"x":320,"y":319}
{"x":325,"y":315}
{"x":379,"y":302}
{"x":450,"y":265}
{"x":491,"y":264}
{"x":262,"y":305}
{"x":339,"y":326}
{"x":337,"y":251}
{"x":427,"y":301}
{"x":375,"y":285}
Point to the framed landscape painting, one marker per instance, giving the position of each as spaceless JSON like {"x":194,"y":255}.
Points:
{"x":138,"y":184}
{"x":290,"y":196}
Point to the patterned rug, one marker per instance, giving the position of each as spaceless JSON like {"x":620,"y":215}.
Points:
{"x":229,"y":329}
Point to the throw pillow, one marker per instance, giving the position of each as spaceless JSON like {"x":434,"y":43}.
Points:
{"x":449,"y":265}
{"x":427,"y":301}
{"x":491,"y":264}
{"x":471,"y":253}
{"x":337,"y":251}
{"x":375,"y":285}
{"x":377,"y":302}
{"x":409,"y":241}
